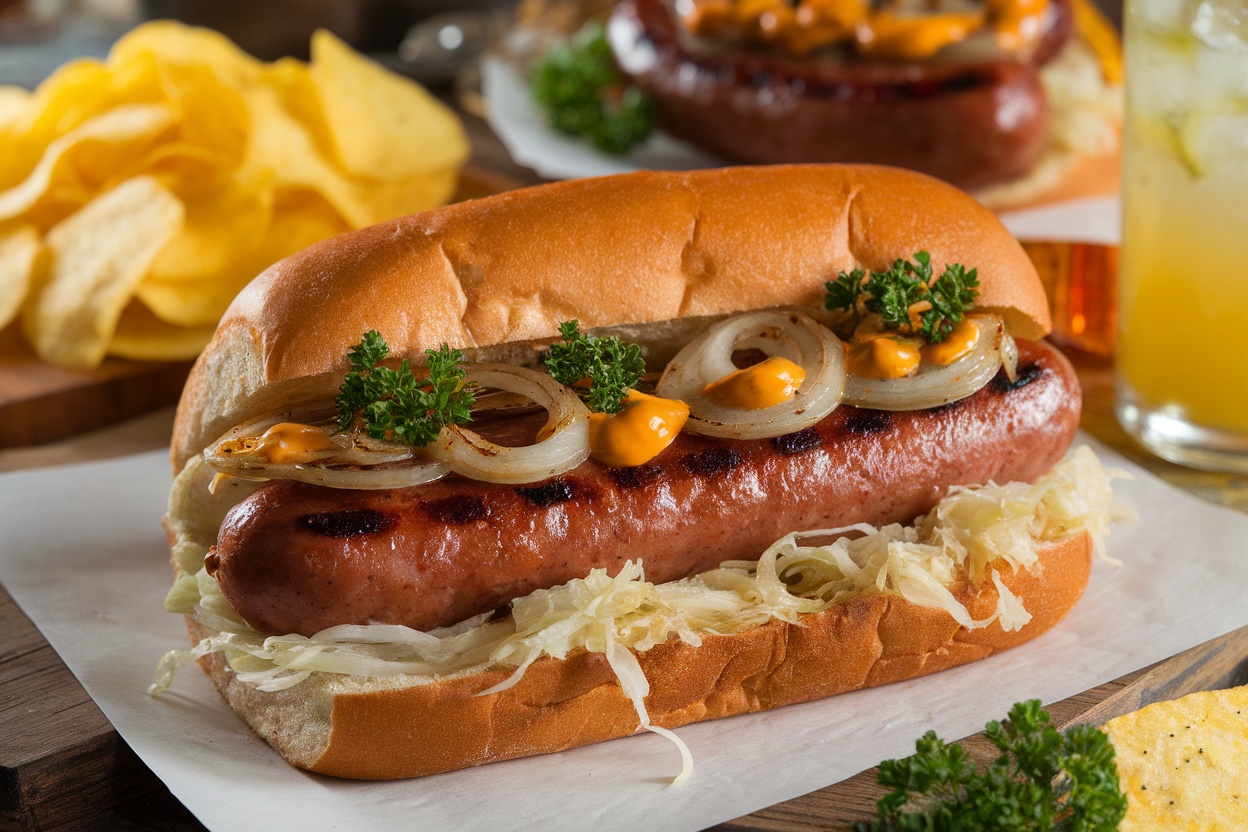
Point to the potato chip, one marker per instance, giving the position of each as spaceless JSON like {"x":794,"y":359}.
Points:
{"x":184,"y":168}
{"x":217,"y":225}
{"x":1184,"y":764}
{"x":281,"y":147}
{"x":19,"y":248}
{"x":78,"y":164}
{"x":292,"y":80}
{"x":97,"y":257}
{"x":74,"y":94}
{"x":168,"y":176}
{"x":142,"y":336}
{"x":296,"y":224}
{"x":369,"y":203}
{"x":382,"y":124}
{"x":172,"y":43}
{"x":13,"y":104}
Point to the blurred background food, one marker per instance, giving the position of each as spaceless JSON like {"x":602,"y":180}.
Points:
{"x":140,"y":192}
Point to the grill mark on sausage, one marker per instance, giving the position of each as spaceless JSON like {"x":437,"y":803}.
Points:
{"x":711,"y":461}
{"x":636,"y":477}
{"x":862,"y":422}
{"x":351,"y":522}
{"x":798,"y":442}
{"x":459,"y":510}
{"x":549,"y":493}
{"x":1026,"y":375}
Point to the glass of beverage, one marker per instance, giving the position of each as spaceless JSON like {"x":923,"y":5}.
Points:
{"x":1182,"y":344}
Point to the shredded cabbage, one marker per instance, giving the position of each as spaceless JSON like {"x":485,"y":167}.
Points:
{"x":972,"y":533}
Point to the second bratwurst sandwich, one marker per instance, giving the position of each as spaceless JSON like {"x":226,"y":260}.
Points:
{"x":542,"y":469}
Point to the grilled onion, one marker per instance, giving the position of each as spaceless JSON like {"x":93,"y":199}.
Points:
{"x":935,"y":385}
{"x":566,"y":434}
{"x":792,"y":335}
{"x":352,"y":460}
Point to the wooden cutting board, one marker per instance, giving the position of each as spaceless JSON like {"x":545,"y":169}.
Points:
{"x":41,"y":403}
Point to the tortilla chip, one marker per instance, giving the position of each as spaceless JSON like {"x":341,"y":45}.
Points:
{"x":1184,"y":764}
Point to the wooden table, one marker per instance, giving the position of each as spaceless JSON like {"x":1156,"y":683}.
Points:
{"x":61,"y":759}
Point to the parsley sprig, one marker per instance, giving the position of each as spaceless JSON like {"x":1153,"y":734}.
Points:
{"x":907,"y":297}
{"x":611,"y":366}
{"x":582,"y":94}
{"x":1043,"y":780}
{"x":396,"y":404}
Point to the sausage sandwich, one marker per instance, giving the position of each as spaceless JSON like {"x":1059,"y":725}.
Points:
{"x":1018,"y":101}
{"x":832,"y":458}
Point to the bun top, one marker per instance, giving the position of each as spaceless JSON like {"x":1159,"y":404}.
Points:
{"x":636,"y":248}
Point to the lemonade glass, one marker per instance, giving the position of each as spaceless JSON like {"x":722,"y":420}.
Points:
{"x":1182,"y":344}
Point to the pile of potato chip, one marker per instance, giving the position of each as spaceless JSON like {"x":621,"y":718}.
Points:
{"x":1184,"y":763}
{"x":140,"y":194}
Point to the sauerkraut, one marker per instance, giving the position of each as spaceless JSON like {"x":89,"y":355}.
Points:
{"x":973,"y":533}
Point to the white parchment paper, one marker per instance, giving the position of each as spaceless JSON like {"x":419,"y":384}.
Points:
{"x":531,"y":143}
{"x":82,"y":552}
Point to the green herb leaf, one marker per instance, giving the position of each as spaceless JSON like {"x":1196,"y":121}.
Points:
{"x":578,"y":87}
{"x":1043,"y":781}
{"x":393,"y":403}
{"x":611,"y":366}
{"x":892,"y":294}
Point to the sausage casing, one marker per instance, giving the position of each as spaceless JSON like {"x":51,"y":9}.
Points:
{"x":297,"y":558}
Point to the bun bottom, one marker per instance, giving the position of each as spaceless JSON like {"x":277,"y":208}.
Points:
{"x":389,"y":728}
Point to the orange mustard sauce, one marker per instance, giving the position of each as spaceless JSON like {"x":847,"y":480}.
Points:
{"x":883,"y":357}
{"x":769,"y":382}
{"x":802,"y":28}
{"x":644,"y":427}
{"x":291,"y":442}
{"x":960,"y":342}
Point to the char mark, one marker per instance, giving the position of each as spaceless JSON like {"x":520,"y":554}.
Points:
{"x":862,"y":422}
{"x":458,"y":510}
{"x":711,"y":461}
{"x":549,"y":493}
{"x":637,"y":476}
{"x":1026,"y":375}
{"x":799,"y":442}
{"x":354,"y":522}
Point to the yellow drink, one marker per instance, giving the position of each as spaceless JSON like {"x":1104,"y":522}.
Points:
{"x":1182,"y":349}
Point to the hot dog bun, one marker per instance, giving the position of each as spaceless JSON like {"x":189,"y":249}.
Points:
{"x":408,"y":726}
{"x":646,"y":251}
{"x":644,"y":248}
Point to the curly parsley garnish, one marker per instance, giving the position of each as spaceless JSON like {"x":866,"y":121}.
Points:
{"x":611,"y":366}
{"x":1043,"y":780}
{"x":395,"y":403}
{"x":583,"y":95}
{"x":907,"y":297}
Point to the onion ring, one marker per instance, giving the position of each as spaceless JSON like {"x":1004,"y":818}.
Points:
{"x":352,"y":461}
{"x":934,"y":385}
{"x":792,"y":335}
{"x":565,"y":447}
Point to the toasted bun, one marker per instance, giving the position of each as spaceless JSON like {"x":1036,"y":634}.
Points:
{"x":642,"y":248}
{"x":408,"y":726}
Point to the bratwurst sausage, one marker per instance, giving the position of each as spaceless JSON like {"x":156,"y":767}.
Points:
{"x":297,"y":558}
{"x":974,"y":123}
